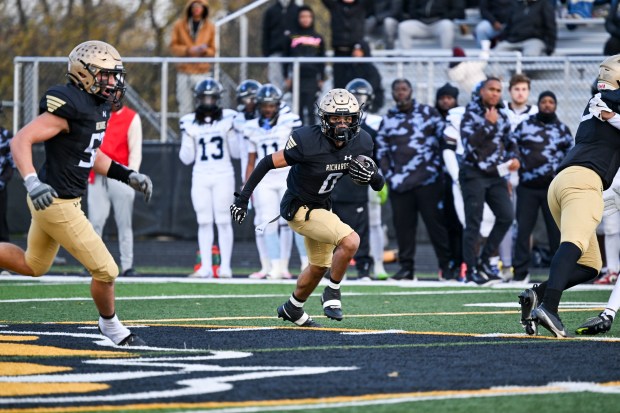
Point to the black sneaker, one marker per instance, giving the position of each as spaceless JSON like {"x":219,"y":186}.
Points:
{"x":596,"y":325}
{"x":332,"y":307}
{"x":486,"y":270}
{"x":132,"y":340}
{"x":130,"y":272}
{"x":472,"y":275}
{"x":289,"y":312}
{"x":528,"y":301}
{"x":551,"y":321}
{"x":404,"y":274}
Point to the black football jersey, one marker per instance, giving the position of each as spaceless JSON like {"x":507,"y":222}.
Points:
{"x":70,"y":156}
{"x":317,"y":164}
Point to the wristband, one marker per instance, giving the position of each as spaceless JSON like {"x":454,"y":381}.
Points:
{"x":119,"y":172}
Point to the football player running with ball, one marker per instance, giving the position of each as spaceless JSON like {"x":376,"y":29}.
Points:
{"x":319,"y":156}
{"x":72,"y":125}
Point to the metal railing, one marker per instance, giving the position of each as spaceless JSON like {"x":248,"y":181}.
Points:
{"x":151,"y":81}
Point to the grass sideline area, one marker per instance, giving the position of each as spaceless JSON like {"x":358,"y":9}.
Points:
{"x":217,"y":345}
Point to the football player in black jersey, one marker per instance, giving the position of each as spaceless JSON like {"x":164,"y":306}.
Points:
{"x":319,"y":155}
{"x":72,"y":124}
{"x":576,"y":201}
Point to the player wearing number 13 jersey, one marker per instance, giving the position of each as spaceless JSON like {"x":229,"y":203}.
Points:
{"x":209,"y":141}
{"x":319,"y":156}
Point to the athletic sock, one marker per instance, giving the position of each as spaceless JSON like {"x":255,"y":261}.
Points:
{"x":113,"y":329}
{"x":296,"y":301}
{"x":333,"y":284}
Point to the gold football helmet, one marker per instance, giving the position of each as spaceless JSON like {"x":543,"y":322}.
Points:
{"x":609,"y":74}
{"x":340,"y":102}
{"x":89,"y":59}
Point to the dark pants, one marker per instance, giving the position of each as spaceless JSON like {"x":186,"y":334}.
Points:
{"x":4,"y":227}
{"x":307,"y":107}
{"x":453,"y":224}
{"x":356,"y":216}
{"x":340,"y":69}
{"x":529,"y":201}
{"x":428,"y":201}
{"x":478,"y":189}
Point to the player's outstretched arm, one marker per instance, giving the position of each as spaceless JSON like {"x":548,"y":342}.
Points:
{"x":239,"y":208}
{"x":107,"y":167}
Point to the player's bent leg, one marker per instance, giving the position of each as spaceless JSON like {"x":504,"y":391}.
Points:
{"x":13,"y":258}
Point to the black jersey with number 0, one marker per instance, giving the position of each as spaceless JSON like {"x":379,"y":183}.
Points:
{"x":317,"y":164}
{"x":70,"y":156}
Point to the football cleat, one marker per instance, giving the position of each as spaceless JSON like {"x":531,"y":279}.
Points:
{"x":332,"y":307}
{"x":550,"y":320}
{"x":608,"y":279}
{"x":132,"y":340}
{"x":528,"y":301}
{"x":595,"y":325}
{"x":297,"y":315}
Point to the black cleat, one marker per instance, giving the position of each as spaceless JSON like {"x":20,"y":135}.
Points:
{"x":551,"y":321}
{"x":528,"y":301}
{"x":489,"y":272}
{"x":289,"y":312}
{"x":404,"y":274}
{"x":332,"y":307}
{"x":130,"y":272}
{"x":478,"y":278}
{"x":595,"y":325}
{"x":132,"y":340}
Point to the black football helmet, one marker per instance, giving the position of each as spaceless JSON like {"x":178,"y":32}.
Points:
{"x":340,"y":102}
{"x":362,"y":90}
{"x":247,"y":89}
{"x":269,"y":93}
{"x":208,"y":94}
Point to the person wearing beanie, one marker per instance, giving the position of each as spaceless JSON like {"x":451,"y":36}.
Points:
{"x":543,"y":142}
{"x":446,"y":98}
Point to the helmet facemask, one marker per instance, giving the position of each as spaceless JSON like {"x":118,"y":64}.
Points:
{"x":340,"y":103}
{"x":207,"y":96}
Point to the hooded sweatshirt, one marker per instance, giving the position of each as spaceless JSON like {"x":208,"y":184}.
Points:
{"x":184,"y":37}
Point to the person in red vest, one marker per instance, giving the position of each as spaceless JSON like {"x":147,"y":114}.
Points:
{"x":123,"y":143}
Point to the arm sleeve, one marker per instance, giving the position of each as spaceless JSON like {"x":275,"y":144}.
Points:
{"x":134,"y":142}
{"x":264,"y":166}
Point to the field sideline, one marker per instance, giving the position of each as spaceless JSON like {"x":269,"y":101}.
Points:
{"x":217,"y":345}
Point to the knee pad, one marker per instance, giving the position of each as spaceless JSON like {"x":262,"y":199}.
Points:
{"x":38,"y":268}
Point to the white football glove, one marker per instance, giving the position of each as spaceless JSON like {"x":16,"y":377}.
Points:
{"x":596,"y":106}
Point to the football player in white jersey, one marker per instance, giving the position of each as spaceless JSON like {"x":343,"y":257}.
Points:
{"x":265,"y":135}
{"x":209,"y":141}
{"x":363,"y":92}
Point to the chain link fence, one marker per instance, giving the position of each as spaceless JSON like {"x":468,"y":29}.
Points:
{"x":151,"y":82}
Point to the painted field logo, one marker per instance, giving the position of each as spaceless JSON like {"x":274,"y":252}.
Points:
{"x":69,"y":375}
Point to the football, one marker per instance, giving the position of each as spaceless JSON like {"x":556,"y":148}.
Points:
{"x":359,"y":175}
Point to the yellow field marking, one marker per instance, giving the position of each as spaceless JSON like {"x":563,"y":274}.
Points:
{"x":25,"y":369}
{"x":440,"y":394}
{"x":32,"y":350}
{"x":34,"y":389}
{"x":17,"y":338}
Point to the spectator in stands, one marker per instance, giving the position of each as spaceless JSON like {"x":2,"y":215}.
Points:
{"x":7,"y":166}
{"x":193,"y":35}
{"x":410,"y":159}
{"x":446,"y":99}
{"x":543,"y":142}
{"x":583,"y":9}
{"x":306,"y":42}
{"x":612,"y":25}
{"x":365,"y":70}
{"x":495,"y":14}
{"x":531,"y":29}
{"x":279,"y":21}
{"x":467,"y":74}
{"x":489,"y":156}
{"x":347,"y":22}
{"x":123,"y":144}
{"x":430,"y":18}
{"x":382,"y":19}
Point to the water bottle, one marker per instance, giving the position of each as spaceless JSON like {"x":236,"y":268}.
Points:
{"x":217,"y":259}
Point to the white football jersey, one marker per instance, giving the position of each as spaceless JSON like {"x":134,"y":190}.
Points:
{"x":209,"y":146}
{"x":264,"y":142}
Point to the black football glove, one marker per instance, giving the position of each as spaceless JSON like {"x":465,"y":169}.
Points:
{"x":362,"y":171}
{"x":239,"y":208}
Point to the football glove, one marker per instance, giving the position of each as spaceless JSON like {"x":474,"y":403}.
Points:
{"x":362,"y":168}
{"x":239,"y":208}
{"x":596,"y":106}
{"x":41,"y":194}
{"x":141,"y":183}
